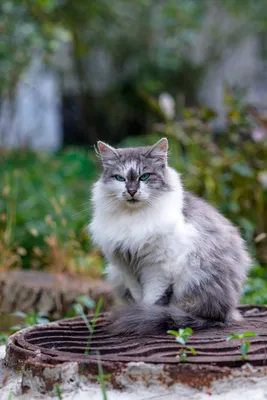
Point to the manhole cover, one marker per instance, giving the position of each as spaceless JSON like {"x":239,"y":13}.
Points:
{"x":51,"y":346}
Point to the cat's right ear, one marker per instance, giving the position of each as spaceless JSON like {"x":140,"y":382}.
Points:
{"x":159,"y":150}
{"x":106,"y":152}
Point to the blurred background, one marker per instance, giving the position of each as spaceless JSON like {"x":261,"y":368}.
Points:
{"x":128,"y":72}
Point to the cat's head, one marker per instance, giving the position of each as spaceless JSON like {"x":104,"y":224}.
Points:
{"x":134,"y":176}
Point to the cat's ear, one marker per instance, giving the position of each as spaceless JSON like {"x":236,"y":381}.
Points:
{"x":106,"y":152}
{"x":159,"y":150}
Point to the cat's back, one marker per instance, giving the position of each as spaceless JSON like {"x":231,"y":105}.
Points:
{"x":216,"y":234}
{"x":202,"y":214}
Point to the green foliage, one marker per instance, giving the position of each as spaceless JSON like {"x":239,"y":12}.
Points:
{"x":149,"y":47}
{"x":101,"y":377}
{"x":58,"y":392}
{"x":120,"y":27}
{"x":255,"y":290}
{"x":44,"y":210}
{"x":28,"y":320}
{"x":3,"y":338}
{"x":24,"y":321}
{"x":244,"y":348}
{"x":228,"y":169}
{"x":26,"y":30}
{"x":245,"y":344}
{"x":240,"y":336}
{"x":182,"y":337}
{"x":85,"y":301}
{"x":256,"y":11}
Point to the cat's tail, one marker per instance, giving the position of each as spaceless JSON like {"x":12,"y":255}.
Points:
{"x":149,"y":320}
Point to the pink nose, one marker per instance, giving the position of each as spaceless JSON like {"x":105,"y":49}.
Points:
{"x":132,"y":192}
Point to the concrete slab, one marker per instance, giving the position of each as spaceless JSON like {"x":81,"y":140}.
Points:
{"x":237,"y":389}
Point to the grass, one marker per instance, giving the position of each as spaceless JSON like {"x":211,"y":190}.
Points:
{"x":58,"y":392}
{"x":102,"y":378}
{"x":91,"y":327}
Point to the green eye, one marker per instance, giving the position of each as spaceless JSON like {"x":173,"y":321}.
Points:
{"x":144,"y":177}
{"x":119,"y":178}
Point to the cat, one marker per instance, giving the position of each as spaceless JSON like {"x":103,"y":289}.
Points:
{"x":173,"y":259}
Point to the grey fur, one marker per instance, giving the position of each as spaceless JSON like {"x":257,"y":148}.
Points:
{"x":142,"y":320}
{"x":219,"y":252}
{"x":142,"y":159}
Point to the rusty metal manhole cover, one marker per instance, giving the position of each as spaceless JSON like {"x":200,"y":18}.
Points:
{"x":51,"y":346}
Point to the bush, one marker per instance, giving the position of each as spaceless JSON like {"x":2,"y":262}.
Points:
{"x":44,"y":211}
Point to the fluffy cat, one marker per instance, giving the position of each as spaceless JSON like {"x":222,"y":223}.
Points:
{"x":173,"y":258}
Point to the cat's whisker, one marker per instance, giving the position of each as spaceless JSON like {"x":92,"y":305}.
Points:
{"x":169,"y":248}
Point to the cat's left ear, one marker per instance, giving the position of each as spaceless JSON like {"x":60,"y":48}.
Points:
{"x":106,"y":152}
{"x":159,"y":150}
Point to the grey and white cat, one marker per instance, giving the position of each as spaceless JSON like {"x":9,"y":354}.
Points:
{"x":174,"y":259}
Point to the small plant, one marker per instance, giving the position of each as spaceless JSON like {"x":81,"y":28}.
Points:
{"x":182,"y":336}
{"x":245,"y":344}
{"x":78,"y":307}
{"x":101,"y":377}
{"x":58,"y":392}
{"x":34,"y":318}
{"x":3,"y":338}
{"x":85,"y":301}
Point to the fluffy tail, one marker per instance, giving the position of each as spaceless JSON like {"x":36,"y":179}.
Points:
{"x":150,"y":320}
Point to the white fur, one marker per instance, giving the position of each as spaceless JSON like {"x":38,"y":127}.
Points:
{"x":155,"y":231}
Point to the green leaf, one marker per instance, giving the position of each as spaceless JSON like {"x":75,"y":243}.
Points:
{"x":180,"y":340}
{"x":244,"y":348}
{"x":193,"y":351}
{"x":58,"y":392}
{"x":42,"y":321}
{"x":183,"y":356}
{"x":240,"y":336}
{"x":78,"y":309}
{"x":19,"y":314}
{"x":188,"y":331}
{"x":242,"y":169}
{"x":232,"y":336}
{"x":86,"y":301}
{"x":15,"y":328}
{"x":3,"y":338}
{"x":174,"y":333}
{"x":186,"y":337}
{"x":249,"y":334}
{"x":10,"y":396}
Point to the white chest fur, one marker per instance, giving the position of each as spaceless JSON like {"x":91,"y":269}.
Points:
{"x":158,"y":236}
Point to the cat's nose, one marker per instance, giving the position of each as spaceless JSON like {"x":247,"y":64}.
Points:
{"x":132,"y":192}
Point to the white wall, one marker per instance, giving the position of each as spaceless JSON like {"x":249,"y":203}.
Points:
{"x":34,"y":117}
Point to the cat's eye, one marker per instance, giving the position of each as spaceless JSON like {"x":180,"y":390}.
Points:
{"x":119,"y":178}
{"x":144,"y":177}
